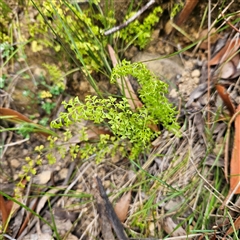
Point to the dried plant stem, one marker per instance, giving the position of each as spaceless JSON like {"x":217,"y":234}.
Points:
{"x":209,"y":58}
{"x":117,"y":28}
{"x":229,"y":23}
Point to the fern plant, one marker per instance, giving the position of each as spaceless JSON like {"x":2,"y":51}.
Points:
{"x":152,"y":93}
{"x":128,"y":127}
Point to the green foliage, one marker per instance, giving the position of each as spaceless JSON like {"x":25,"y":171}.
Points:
{"x":52,"y":89}
{"x":138,"y":32}
{"x":152,"y":93}
{"x":127,"y":126}
{"x":123,"y":122}
{"x":29,"y":168}
{"x":5,"y":19}
{"x":3,"y":79}
{"x":73,"y":27}
{"x":5,"y":49}
{"x":176,"y":9}
{"x":57,"y":79}
{"x":82,"y":31}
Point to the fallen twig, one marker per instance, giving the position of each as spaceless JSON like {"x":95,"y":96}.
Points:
{"x":131,"y":19}
{"x":186,"y":11}
{"x":229,"y":23}
{"x":115,"y":222}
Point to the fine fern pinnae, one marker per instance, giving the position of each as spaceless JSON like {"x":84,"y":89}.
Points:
{"x":125,"y":124}
{"x":152,"y":93}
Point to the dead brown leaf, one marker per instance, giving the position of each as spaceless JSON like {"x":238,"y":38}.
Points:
{"x":16,"y":117}
{"x":226,"y":52}
{"x":64,"y":214}
{"x":225,"y":97}
{"x":27,"y":218}
{"x":5,"y":210}
{"x":235,"y":163}
{"x":236,"y":227}
{"x":203,"y":35}
{"x":8,"y":208}
{"x":229,"y":60}
{"x":169,"y":227}
{"x":122,"y":206}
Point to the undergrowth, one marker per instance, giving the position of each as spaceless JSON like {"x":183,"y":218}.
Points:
{"x":139,"y":34}
{"x":116,"y":114}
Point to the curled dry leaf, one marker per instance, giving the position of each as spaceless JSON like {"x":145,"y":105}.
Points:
{"x":122,"y":206}
{"x":229,"y":59}
{"x":235,"y":163}
{"x":236,"y":227}
{"x":16,"y":117}
{"x":225,"y":97}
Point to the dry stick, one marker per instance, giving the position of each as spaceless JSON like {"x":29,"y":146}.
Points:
{"x":209,"y":58}
{"x":115,"y":29}
{"x":229,"y":23}
{"x":15,"y":143}
{"x":186,"y":11}
{"x":112,"y":216}
{"x":105,"y":225}
{"x":172,"y":238}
